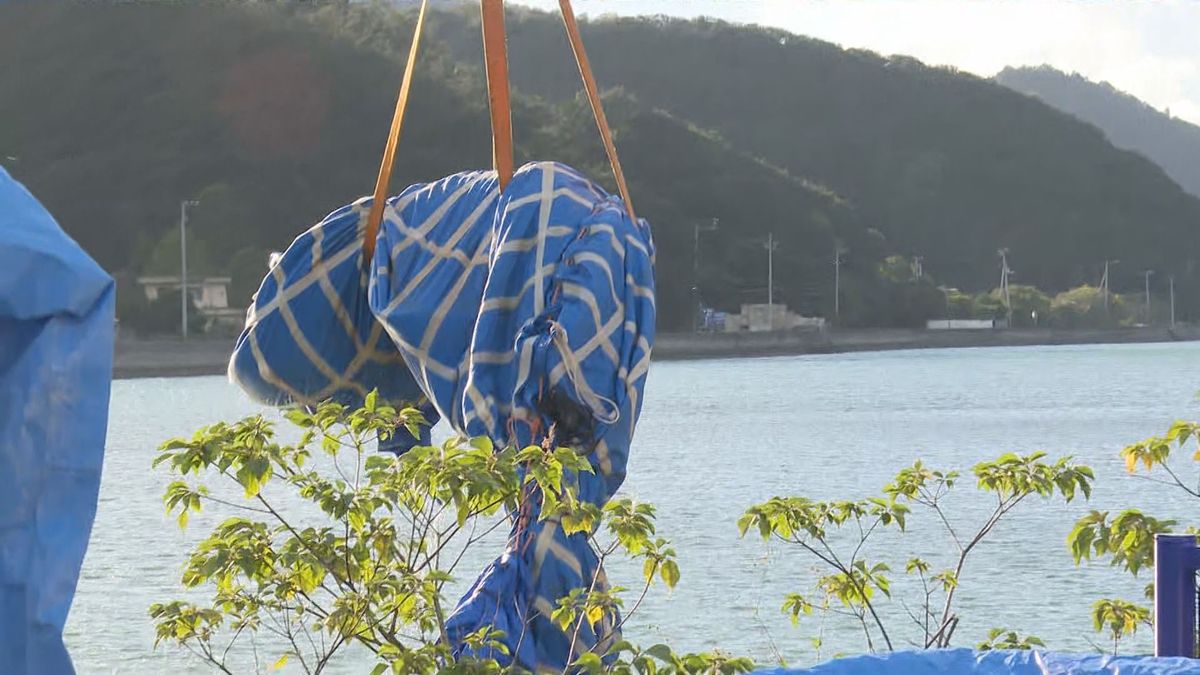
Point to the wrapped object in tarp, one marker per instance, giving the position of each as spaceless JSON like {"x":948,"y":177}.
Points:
{"x":56,"y":350}
{"x":995,"y":662}
{"x":309,"y":334}
{"x":519,"y":311}
{"x":515,"y":312}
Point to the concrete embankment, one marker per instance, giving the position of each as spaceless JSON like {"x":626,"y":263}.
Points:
{"x":177,"y":358}
{"x":170,"y":358}
{"x":722,"y":345}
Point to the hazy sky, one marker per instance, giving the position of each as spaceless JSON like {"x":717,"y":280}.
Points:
{"x":1149,"y":49}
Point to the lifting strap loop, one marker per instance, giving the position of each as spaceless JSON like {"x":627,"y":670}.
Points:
{"x":375,"y":216}
{"x":593,"y":94}
{"x":495,"y":57}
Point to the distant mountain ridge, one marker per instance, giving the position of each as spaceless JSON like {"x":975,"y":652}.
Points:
{"x":946,"y":165}
{"x":1129,"y":122}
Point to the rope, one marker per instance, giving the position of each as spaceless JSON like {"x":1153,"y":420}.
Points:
{"x":495,"y":56}
{"x":589,"y":84}
{"x":602,"y":408}
{"x":375,"y":216}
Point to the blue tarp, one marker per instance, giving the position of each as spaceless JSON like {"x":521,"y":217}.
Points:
{"x":998,"y":662}
{"x":513,"y":311}
{"x":56,"y":348}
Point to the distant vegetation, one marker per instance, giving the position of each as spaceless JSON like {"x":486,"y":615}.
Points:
{"x":274,"y":114}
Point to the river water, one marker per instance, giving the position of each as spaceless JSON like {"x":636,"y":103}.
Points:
{"x":718,"y":436}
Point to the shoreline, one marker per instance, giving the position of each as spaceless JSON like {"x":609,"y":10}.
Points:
{"x":136,"y":358}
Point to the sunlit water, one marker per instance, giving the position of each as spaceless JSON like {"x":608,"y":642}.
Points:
{"x":718,"y":436}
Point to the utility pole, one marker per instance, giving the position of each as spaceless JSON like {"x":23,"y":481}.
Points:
{"x":1171,"y":279}
{"x":1148,"y":274}
{"x":183,"y":291}
{"x":696,"y":230}
{"x":1005,"y":271}
{"x":1105,"y":284}
{"x":838,"y":250}
{"x":771,"y":245}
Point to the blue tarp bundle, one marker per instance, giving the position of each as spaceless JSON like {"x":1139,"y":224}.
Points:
{"x":56,"y":348}
{"x":998,"y":662}
{"x":513,"y":311}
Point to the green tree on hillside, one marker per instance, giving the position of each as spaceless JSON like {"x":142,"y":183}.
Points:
{"x":1083,"y":307}
{"x":165,"y":258}
{"x":247,"y":268}
{"x":988,"y":306}
{"x":1025,"y":300}
{"x":959,"y":305}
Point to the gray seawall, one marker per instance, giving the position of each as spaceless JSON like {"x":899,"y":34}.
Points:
{"x":175,"y":358}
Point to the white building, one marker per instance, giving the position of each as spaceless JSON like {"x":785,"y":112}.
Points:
{"x":209,"y":296}
{"x":757,"y":318}
{"x":963,"y":324}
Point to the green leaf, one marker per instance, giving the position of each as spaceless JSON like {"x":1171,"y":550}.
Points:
{"x":280,"y":663}
{"x":590,"y":662}
{"x":661,"y":652}
{"x":670,"y":573}
{"x":648,"y":568}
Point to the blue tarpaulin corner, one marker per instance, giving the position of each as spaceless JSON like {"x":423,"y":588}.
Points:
{"x":56,"y":349}
{"x":964,"y":661}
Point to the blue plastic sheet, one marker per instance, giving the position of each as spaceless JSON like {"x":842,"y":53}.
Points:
{"x":56,"y":347}
{"x":513,"y":312}
{"x":998,"y":662}
{"x":310,"y":335}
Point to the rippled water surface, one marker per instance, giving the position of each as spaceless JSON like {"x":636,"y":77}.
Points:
{"x":717,"y":436}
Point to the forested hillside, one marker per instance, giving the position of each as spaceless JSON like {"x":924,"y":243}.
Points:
{"x":948,"y":166}
{"x":1172,"y":143}
{"x":274,"y":114}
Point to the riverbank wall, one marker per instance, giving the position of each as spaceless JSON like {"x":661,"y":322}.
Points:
{"x":177,"y":358}
{"x":723,"y":345}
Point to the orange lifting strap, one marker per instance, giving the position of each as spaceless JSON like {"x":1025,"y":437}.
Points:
{"x":495,"y":60}
{"x":593,"y":94}
{"x":496,"y":63}
{"x":375,"y":216}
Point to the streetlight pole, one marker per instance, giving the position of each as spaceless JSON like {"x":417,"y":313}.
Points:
{"x":1171,"y":279}
{"x":1104,"y":284}
{"x":771,"y":246}
{"x":838,"y":250}
{"x":1005,"y":271}
{"x":1148,"y":274}
{"x":696,"y":230}
{"x":183,"y":290}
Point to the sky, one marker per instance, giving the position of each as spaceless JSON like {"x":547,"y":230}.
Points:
{"x":1150,"y":49}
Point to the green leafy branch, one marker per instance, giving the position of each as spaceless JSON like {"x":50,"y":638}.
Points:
{"x":855,"y":584}
{"x":1127,"y":539}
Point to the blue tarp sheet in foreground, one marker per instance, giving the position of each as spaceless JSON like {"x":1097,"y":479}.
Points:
{"x":503,"y":313}
{"x":56,"y":347}
{"x":999,"y":662}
